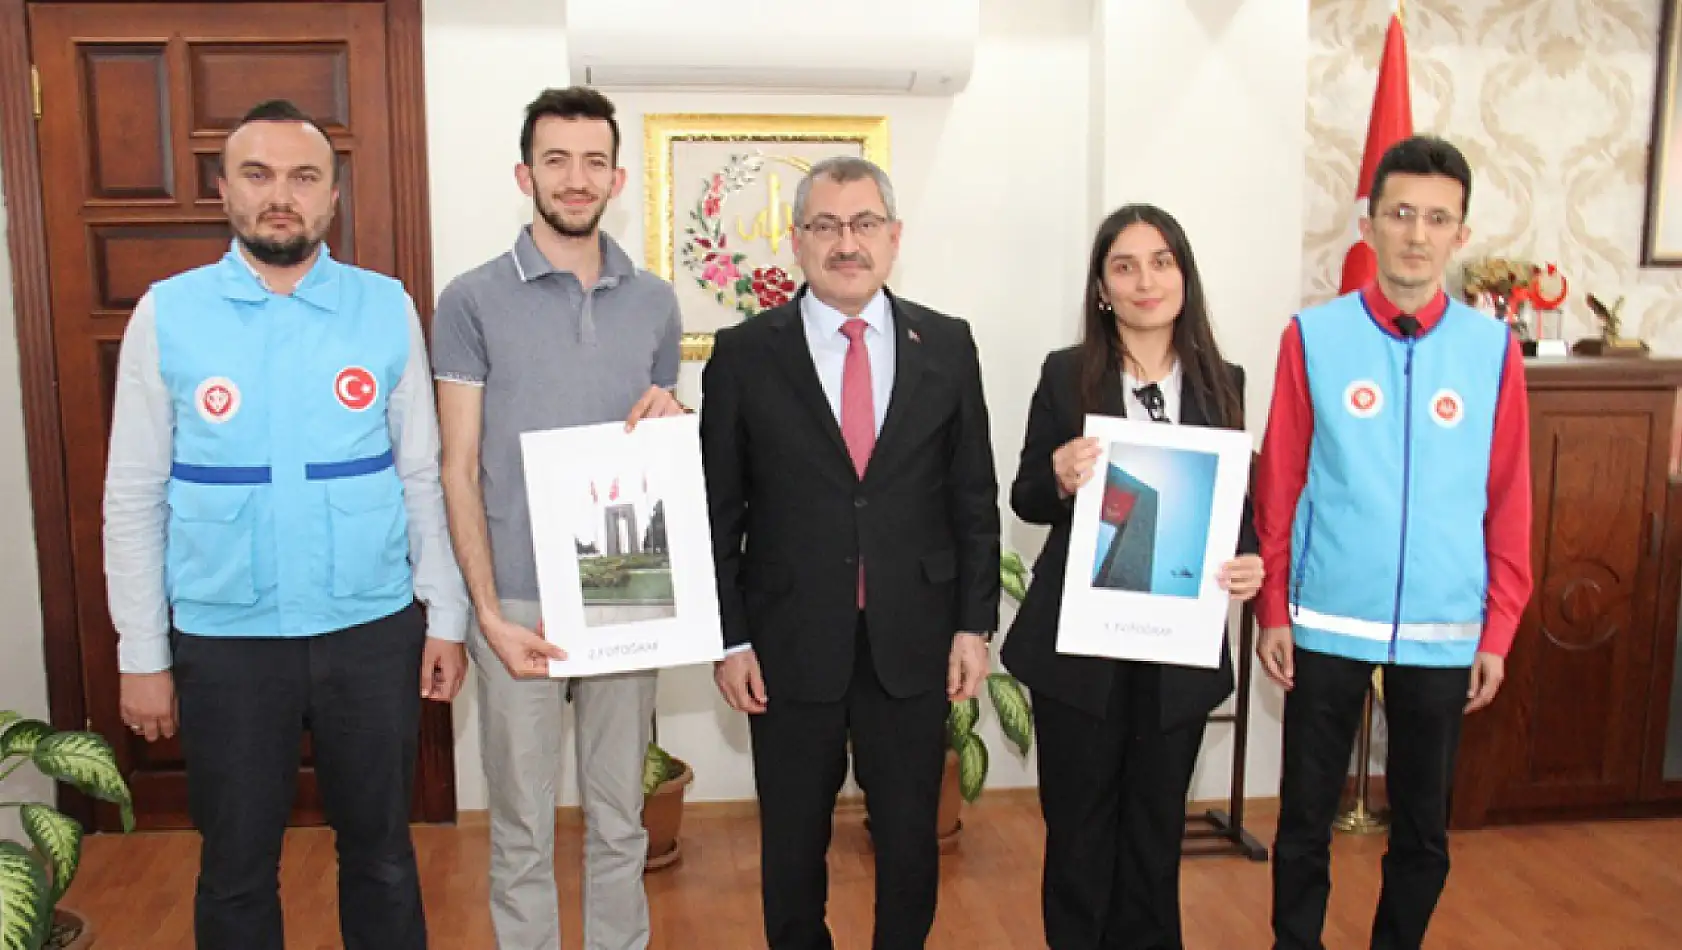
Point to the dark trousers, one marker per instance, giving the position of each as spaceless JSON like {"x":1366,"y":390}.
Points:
{"x":1423,"y":707}
{"x":799,"y":763}
{"x":1113,"y":793}
{"x":245,"y":704}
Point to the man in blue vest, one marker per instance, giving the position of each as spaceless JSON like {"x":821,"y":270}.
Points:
{"x":1393,"y":505}
{"x":272,"y":512}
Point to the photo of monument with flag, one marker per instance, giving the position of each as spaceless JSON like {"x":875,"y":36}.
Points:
{"x":624,"y":549}
{"x":1150,"y":533}
{"x":624,"y":559}
{"x":1154,"y":521}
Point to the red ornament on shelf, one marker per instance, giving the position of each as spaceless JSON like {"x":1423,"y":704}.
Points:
{"x":1548,"y":287}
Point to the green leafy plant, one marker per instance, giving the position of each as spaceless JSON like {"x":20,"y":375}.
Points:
{"x":658,"y":768}
{"x":658,"y":765}
{"x":33,"y":879}
{"x":1010,"y":703}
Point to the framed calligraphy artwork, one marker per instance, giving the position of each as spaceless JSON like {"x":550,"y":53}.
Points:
{"x":719,"y":205}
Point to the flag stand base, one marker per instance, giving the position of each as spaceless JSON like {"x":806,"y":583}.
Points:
{"x":1360,"y":818}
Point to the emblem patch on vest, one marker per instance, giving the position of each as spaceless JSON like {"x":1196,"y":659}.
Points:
{"x":217,"y":399}
{"x":1447,"y":409}
{"x":355,"y":388}
{"x":1363,"y":399}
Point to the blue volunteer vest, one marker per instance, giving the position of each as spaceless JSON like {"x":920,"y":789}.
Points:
{"x":286,"y":513}
{"x":1388,"y":539}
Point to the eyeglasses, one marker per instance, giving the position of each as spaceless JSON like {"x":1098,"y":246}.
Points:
{"x":827,"y":227}
{"x":1403,"y":216}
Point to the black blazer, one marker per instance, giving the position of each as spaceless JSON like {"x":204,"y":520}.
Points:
{"x":1030,"y":651}
{"x":791,"y":518}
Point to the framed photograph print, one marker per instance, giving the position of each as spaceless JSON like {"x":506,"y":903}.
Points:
{"x":624,"y":549}
{"x":1151,"y":531}
{"x":1661,"y":232}
{"x":719,"y":203}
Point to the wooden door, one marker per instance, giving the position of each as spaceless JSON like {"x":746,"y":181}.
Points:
{"x":137,"y":100}
{"x":1566,"y":734}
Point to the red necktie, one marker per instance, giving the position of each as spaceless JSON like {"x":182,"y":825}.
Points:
{"x":858,"y":407}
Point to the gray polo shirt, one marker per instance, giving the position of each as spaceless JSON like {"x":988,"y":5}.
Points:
{"x":549,"y":353}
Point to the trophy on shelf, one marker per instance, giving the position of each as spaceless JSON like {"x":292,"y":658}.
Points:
{"x":1545,"y":292}
{"x":1496,"y":286}
{"x":1522,"y":295}
{"x":1611,"y":341}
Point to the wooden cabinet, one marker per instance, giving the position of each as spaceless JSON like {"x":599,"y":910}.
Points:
{"x":1589,"y":722}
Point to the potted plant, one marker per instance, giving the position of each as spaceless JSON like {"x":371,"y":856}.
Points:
{"x":664,"y":779}
{"x":967,"y":759}
{"x":33,"y":879}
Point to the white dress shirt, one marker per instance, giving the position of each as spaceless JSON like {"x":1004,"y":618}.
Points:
{"x":829,"y":349}
{"x":137,"y":492}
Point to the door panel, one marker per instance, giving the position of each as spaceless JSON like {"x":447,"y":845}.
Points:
{"x":137,"y":101}
{"x":129,"y":140}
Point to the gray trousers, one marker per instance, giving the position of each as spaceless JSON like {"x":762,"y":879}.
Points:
{"x":520,"y":732}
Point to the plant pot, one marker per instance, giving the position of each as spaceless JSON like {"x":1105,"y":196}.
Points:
{"x":662,"y":816}
{"x":948,"y":821}
{"x":72,"y":922}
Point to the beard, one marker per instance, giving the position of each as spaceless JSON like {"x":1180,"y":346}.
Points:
{"x":559,"y":225}
{"x":275,"y":253}
{"x":281,"y":252}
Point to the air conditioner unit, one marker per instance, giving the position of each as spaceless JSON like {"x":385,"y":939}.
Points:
{"x":905,"y":47}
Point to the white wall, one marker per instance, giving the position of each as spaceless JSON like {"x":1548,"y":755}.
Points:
{"x":1000,"y":188}
{"x":23,"y":672}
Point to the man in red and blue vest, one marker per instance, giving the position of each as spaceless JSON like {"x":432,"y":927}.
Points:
{"x":1393,"y":507}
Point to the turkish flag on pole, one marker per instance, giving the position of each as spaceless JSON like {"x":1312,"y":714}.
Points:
{"x":1391,"y":121}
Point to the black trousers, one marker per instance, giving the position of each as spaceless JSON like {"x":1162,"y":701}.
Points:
{"x":245,"y":704}
{"x":799,"y":764}
{"x":1113,"y":793}
{"x":1423,"y":707}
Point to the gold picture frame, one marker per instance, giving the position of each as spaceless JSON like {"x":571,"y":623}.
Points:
{"x":1661,"y":228}
{"x":700,"y":172}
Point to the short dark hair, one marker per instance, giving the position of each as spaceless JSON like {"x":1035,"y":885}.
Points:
{"x":280,"y":110}
{"x":1423,"y":155}
{"x":574,"y":102}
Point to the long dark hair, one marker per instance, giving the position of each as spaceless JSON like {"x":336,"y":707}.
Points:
{"x":1207,"y":378}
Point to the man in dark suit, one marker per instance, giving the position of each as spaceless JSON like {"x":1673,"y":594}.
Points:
{"x":855,"y":527}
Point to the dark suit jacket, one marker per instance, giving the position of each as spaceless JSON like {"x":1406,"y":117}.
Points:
{"x":791,"y":518}
{"x":1030,"y":651}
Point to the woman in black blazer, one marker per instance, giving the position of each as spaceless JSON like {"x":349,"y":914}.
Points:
{"x":1118,"y":740}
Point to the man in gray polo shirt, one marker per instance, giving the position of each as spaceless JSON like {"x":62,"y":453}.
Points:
{"x":562,"y":330}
